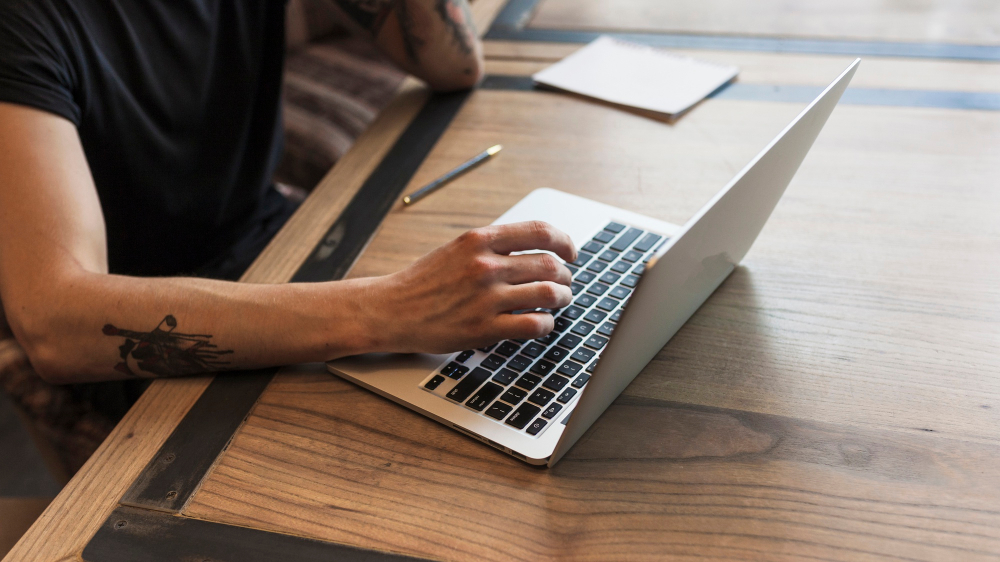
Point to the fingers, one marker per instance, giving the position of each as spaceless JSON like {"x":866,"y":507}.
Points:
{"x":523,"y":326}
{"x":531,"y":235}
{"x":528,"y":268}
{"x":542,"y":294}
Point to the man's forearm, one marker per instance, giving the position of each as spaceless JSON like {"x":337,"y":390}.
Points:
{"x":108,"y":326}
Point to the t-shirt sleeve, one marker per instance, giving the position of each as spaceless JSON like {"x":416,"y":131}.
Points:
{"x":34,"y":68}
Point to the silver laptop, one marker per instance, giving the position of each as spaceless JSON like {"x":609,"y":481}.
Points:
{"x":636,"y":282}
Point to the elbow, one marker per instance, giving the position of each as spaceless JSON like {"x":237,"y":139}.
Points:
{"x":36,"y":337}
{"x":460,"y":77}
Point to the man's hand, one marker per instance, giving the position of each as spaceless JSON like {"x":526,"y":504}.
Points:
{"x":460,"y":296}
{"x":435,"y":40}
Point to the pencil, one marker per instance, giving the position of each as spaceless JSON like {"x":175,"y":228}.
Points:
{"x":434,"y":185}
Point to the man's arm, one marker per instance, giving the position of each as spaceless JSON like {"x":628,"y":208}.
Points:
{"x":79,"y":323}
{"x":435,"y":40}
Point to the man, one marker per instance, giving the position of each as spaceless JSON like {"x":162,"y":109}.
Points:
{"x":137,"y":141}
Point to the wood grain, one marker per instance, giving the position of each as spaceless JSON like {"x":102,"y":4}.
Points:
{"x":932,"y":21}
{"x":79,"y":510}
{"x":522,"y":58}
{"x":836,"y":399}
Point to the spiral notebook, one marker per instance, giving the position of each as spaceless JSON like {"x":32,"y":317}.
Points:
{"x":637,"y":76}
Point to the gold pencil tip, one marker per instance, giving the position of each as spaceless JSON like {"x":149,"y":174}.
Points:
{"x":494,"y":149}
{"x":406,"y":200}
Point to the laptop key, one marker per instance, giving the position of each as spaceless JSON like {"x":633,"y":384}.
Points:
{"x":597,"y":266}
{"x":630,"y":281}
{"x":584,"y":277}
{"x":435,"y":382}
{"x":528,"y":382}
{"x":514,"y":395}
{"x":561,"y":324}
{"x":592,"y":247}
{"x":647,"y":242}
{"x":533,"y":349}
{"x":606,"y":328}
{"x":595,"y":316}
{"x":572,"y":268}
{"x":468,"y":385}
{"x":522,"y":415}
{"x":536,"y":426}
{"x":519,"y":363}
{"x":583,"y":328}
{"x":585,"y":301}
{"x":608,"y":256}
{"x":508,"y":348}
{"x":499,"y":410}
{"x":464,"y":356}
{"x":454,"y":370}
{"x":484,"y":396}
{"x":604,"y":237}
{"x":597,"y":289}
{"x":505,"y":376}
{"x":621,"y":267}
{"x":625,"y":240}
{"x":581,"y":380}
{"x":582,"y":355}
{"x":488,"y":348}
{"x":632,"y":256}
{"x":591,"y":367}
{"x":569,"y":368}
{"x":542,"y":367}
{"x":639,"y":269}
{"x":569,"y":341}
{"x":566,"y":395}
{"x":541,"y":397}
{"x":555,"y":383}
{"x":556,"y":354}
{"x":582,"y":258}
{"x":572,"y":312}
{"x":616,"y":316}
{"x":493,"y":362}
{"x":620,"y":292}
{"x":546,"y":340}
{"x":609,"y":278}
{"x":615,"y":227}
{"x":607,"y":304}
{"x":576,"y":288}
{"x":596,"y":342}
{"x":551,"y":411}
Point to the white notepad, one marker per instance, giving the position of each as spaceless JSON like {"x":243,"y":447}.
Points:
{"x":636,"y":75}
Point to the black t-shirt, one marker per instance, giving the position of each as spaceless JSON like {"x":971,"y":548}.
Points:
{"x":177,"y":106}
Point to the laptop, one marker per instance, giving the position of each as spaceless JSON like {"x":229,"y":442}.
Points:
{"x":636,"y":282}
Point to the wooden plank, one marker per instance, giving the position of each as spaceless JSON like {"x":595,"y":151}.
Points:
{"x":653,"y":479}
{"x":78,"y":511}
{"x":523,"y":58}
{"x":835,"y":399}
{"x":137,"y":534}
{"x":931,"y":21}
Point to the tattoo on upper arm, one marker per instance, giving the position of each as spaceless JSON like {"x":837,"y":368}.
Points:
{"x":166,"y":353}
{"x":407,"y":28}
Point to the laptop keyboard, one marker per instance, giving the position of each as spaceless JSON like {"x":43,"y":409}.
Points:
{"x":528,"y":385}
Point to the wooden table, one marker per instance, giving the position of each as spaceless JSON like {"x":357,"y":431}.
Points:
{"x":835,"y":399}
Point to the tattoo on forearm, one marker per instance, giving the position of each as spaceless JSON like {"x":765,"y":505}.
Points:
{"x":456,"y":17}
{"x":166,"y":353}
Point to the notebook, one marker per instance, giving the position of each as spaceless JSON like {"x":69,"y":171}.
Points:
{"x":636,"y":75}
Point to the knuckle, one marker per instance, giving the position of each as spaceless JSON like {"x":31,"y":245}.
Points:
{"x":550,"y":265}
{"x":549,"y":291}
{"x":475,"y":237}
{"x":542,"y":230}
{"x":540,"y":325}
{"x":483,"y":267}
